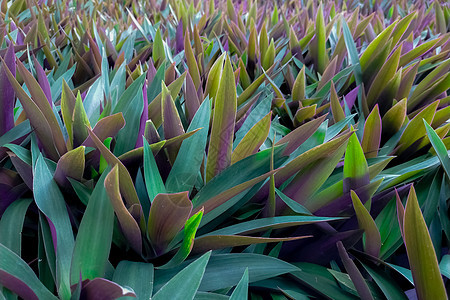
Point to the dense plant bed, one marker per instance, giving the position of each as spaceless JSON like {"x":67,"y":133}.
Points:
{"x":224,"y":149}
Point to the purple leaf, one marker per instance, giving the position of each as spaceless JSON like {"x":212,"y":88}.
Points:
{"x":144,"y":116}
{"x":7,"y":92}
{"x":103,"y":289}
{"x":16,"y":285}
{"x":43,"y":81}
{"x":355,"y":275}
{"x":168,"y":214}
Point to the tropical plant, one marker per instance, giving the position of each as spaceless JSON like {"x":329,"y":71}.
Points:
{"x":224,"y":150}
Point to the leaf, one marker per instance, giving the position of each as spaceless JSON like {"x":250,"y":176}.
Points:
{"x":7,"y":91}
{"x":321,"y":56}
{"x":168,"y":214}
{"x":372,"y":242}
{"x":214,"y":77}
{"x":393,"y":120}
{"x":126,"y":183}
{"x":312,"y":175}
{"x":352,"y":52}
{"x":153,"y":180}
{"x":259,"y":225}
{"x":253,"y":140}
{"x":131,"y":105}
{"x":106,"y":127}
{"x":11,"y":225}
{"x":320,"y":280}
{"x":71,"y":164}
{"x":372,"y":134}
{"x":68,"y":102}
{"x":136,"y":275}
{"x":190,"y":229}
{"x":50,"y":201}
{"x":171,"y":121}
{"x":214,"y":242}
{"x":101,"y":288}
{"x":80,"y":122}
{"x":184,"y":172}
{"x":154,"y":107}
{"x":241,"y":290}
{"x":185,"y":284}
{"x":336,"y":108}
{"x":158,"y":54}
{"x":386,"y":73}
{"x":222,"y":131}
{"x":389,"y":287}
{"x":295,"y":206}
{"x":128,"y":224}
{"x":421,"y":255}
{"x":415,"y":129}
{"x":356,"y":170}
{"x":440,"y":148}
{"x":298,"y":90}
{"x":191,"y":62}
{"x":37,"y":119}
{"x":225,"y":270}
{"x":41,"y":101}
{"x":353,"y":272}
{"x":94,"y":237}
{"x":299,"y":135}
{"x":16,"y":275}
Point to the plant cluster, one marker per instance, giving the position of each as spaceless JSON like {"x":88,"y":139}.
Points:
{"x":170,"y":149}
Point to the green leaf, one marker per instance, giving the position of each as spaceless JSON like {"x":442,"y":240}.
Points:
{"x":185,"y":284}
{"x":415,"y":129}
{"x":190,"y":229}
{"x":80,"y":122}
{"x":191,"y":61}
{"x":136,"y":275}
{"x":372,"y":134}
{"x":440,"y":148}
{"x":93,"y":242}
{"x":259,"y":225}
{"x":222,"y":131}
{"x":225,"y":270}
{"x":158,"y":54}
{"x":298,"y":90}
{"x":153,"y":180}
{"x":214,"y":242}
{"x":50,"y":201}
{"x":389,"y":287}
{"x":184,"y":172}
{"x":11,"y":225}
{"x":253,"y":140}
{"x":421,"y":255}
{"x":131,"y":109}
{"x":295,"y":206}
{"x":356,"y":170}
{"x":321,"y":56}
{"x":241,"y":290}
{"x":16,"y":275}
{"x":372,"y":242}
{"x":352,"y":52}
{"x":320,"y":279}
{"x":386,"y":73}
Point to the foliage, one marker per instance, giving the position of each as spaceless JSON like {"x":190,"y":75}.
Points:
{"x":171,"y":149}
